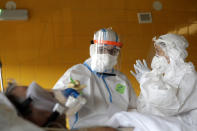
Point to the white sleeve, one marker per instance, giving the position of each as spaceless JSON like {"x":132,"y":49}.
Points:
{"x":132,"y":97}
{"x":157,"y":96}
{"x":64,"y":79}
{"x":187,"y":94}
{"x":76,"y":72}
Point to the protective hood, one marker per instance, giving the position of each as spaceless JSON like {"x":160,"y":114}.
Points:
{"x":173,"y":45}
{"x":105,"y":50}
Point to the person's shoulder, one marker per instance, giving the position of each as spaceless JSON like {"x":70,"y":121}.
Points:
{"x":189,"y":71}
{"x":76,"y":72}
{"x":77,"y":68}
{"x":120,"y":74}
{"x":190,"y":68}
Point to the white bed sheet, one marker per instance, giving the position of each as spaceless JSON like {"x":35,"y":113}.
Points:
{"x":145,"y":122}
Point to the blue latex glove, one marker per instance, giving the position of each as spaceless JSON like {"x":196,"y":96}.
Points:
{"x":70,"y":92}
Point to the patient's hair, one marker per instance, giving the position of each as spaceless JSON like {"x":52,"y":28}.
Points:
{"x":11,"y":86}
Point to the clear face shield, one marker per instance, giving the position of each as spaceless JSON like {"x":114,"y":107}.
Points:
{"x":105,"y":51}
{"x":160,"y":60}
{"x":159,"y":47}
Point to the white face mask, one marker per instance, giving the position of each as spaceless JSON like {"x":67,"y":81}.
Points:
{"x":159,"y":64}
{"x":103,"y":62}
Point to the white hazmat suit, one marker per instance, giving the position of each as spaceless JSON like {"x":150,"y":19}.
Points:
{"x":107,"y":90}
{"x":170,"y":88}
{"x":167,"y":101}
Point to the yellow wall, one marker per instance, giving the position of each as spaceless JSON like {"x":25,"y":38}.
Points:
{"x":58,"y":34}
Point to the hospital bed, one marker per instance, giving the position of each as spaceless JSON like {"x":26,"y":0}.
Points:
{"x":12,"y":122}
{"x":89,"y":129}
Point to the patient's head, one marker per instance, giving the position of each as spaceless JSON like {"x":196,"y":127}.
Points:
{"x":32,"y":102}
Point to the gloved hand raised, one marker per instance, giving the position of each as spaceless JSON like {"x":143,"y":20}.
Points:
{"x":140,"y":69}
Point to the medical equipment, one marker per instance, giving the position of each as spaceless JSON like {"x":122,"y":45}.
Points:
{"x":70,"y":98}
{"x":43,"y":100}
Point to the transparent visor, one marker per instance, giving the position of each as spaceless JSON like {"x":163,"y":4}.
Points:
{"x":160,"y":46}
{"x":156,"y":48}
{"x":107,"y":49}
{"x":105,"y":58}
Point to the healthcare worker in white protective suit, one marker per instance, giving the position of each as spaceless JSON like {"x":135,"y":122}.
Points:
{"x":107,"y":90}
{"x":167,"y":101}
{"x":170,"y":88}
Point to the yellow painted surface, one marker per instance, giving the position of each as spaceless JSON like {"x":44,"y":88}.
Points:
{"x":58,"y":33}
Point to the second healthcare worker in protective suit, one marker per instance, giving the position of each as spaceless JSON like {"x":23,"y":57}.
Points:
{"x":170,"y":88}
{"x":107,"y":90}
{"x":167,"y":101}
